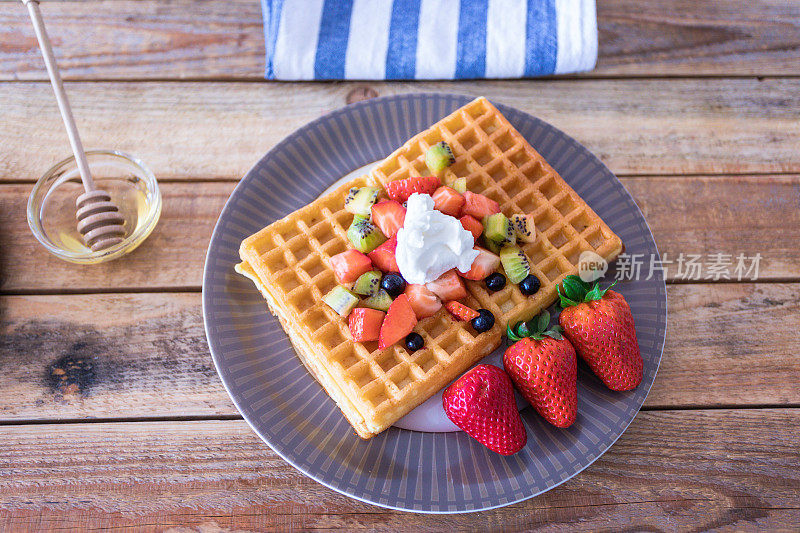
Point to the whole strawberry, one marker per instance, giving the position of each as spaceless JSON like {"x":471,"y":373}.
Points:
{"x":599,"y":324}
{"x":481,"y":402}
{"x":543,"y":366}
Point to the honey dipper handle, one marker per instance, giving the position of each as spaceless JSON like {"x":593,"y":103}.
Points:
{"x":61,"y":95}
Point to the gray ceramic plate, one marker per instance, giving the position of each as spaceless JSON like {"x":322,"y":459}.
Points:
{"x":418,"y":471}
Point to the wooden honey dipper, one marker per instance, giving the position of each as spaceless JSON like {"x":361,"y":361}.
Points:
{"x":99,"y":220}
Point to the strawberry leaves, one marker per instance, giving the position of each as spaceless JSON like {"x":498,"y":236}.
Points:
{"x":535,"y":328}
{"x":573,"y":291}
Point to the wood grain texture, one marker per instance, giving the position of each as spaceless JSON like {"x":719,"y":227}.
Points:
{"x":145,"y":355}
{"x":208,"y":39}
{"x":729,"y":470}
{"x":219,"y":130}
{"x":702,"y":215}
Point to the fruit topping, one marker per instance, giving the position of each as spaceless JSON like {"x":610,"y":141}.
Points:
{"x":422,"y":300}
{"x":400,"y":190}
{"x":349,"y":265}
{"x":368,"y":283}
{"x":340,"y":300}
{"x":439,"y":157}
{"x":483,"y":265}
{"x":383,"y":257}
{"x":524,"y":228}
{"x":478,"y":205}
{"x":365,"y":324}
{"x":359,"y":201}
{"x":449,"y":286}
{"x":497,"y":228}
{"x":484,"y":321}
{"x":460,"y":185}
{"x":393,"y":284}
{"x":481,"y":402}
{"x":529,"y":285}
{"x":447,"y":201}
{"x":515,"y":263}
{"x":389,"y":216}
{"x":414,"y":342}
{"x":496,"y":282}
{"x":400,"y":320}
{"x":380,"y":300}
{"x":364,"y":235}
{"x":461,"y":311}
{"x":472,"y":225}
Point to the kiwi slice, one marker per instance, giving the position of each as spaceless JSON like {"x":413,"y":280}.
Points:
{"x":460,"y":185}
{"x":492,"y":246}
{"x":365,"y":235}
{"x":524,"y":227}
{"x":380,"y":301}
{"x":515,"y":263}
{"x":368,"y":283}
{"x":340,"y":300}
{"x":498,"y":228}
{"x":360,"y":202}
{"x":439,"y":157}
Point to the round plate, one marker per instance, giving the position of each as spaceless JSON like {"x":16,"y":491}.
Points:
{"x":403,"y":469}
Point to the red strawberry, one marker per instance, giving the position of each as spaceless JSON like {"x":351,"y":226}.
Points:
{"x":350,"y":264}
{"x":472,"y":225}
{"x":481,"y":402}
{"x":400,"y":320}
{"x":448,"y":286}
{"x":423,"y":301}
{"x":447,"y":201}
{"x":365,"y":324}
{"x":544,"y":368}
{"x":478,"y":205}
{"x":400,"y":190}
{"x":389,"y":216}
{"x":599,"y":324}
{"x":461,"y":311}
{"x":483,"y":265}
{"x":383,"y":257}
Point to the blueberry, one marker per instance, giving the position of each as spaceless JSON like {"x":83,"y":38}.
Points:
{"x":495,"y":282}
{"x":394,"y":284}
{"x":483,"y":322}
{"x":529,"y":285}
{"x":414,"y":342}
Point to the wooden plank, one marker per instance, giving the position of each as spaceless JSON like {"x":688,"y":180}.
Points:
{"x":134,"y":355}
{"x":705,"y":215}
{"x":728,"y":469}
{"x":219,"y":130}
{"x":181,"y":39}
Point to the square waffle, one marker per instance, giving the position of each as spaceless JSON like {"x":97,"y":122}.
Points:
{"x":289,"y":261}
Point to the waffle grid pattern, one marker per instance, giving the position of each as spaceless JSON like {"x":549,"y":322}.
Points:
{"x":500,"y":164}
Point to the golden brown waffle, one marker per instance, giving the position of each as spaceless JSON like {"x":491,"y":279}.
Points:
{"x":290,"y":263}
{"x":500,"y":164}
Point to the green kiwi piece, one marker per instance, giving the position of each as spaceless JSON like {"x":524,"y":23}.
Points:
{"x":498,"y":228}
{"x":491,"y":246}
{"x":380,"y":301}
{"x":515,"y":263}
{"x":439,"y":157}
{"x":360,"y":203}
{"x":368,"y":283}
{"x":460,"y":185}
{"x":365,"y":235}
{"x":524,"y":227}
{"x":341,"y":300}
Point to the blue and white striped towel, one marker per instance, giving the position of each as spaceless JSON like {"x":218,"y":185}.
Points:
{"x":428,"y":39}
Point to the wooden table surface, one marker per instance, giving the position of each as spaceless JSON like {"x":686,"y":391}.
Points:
{"x":112,"y":412}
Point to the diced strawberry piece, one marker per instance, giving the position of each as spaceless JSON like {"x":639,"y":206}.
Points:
{"x":400,"y":320}
{"x":448,"y":201}
{"x":461,"y":311}
{"x":484,"y":264}
{"x":423,"y":301}
{"x":472,"y":225}
{"x":478,"y":205}
{"x":365,"y":324}
{"x":350,"y":264}
{"x":448,"y":286}
{"x":383,"y":257}
{"x":389,"y":216}
{"x":400,"y":190}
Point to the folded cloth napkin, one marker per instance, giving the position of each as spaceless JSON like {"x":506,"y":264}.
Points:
{"x":428,"y":39}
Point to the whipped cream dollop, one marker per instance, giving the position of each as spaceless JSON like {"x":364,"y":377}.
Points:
{"x":430,"y":243}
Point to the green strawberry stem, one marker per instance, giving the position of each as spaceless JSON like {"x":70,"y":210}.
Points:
{"x":535,"y":328}
{"x":574,"y":291}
